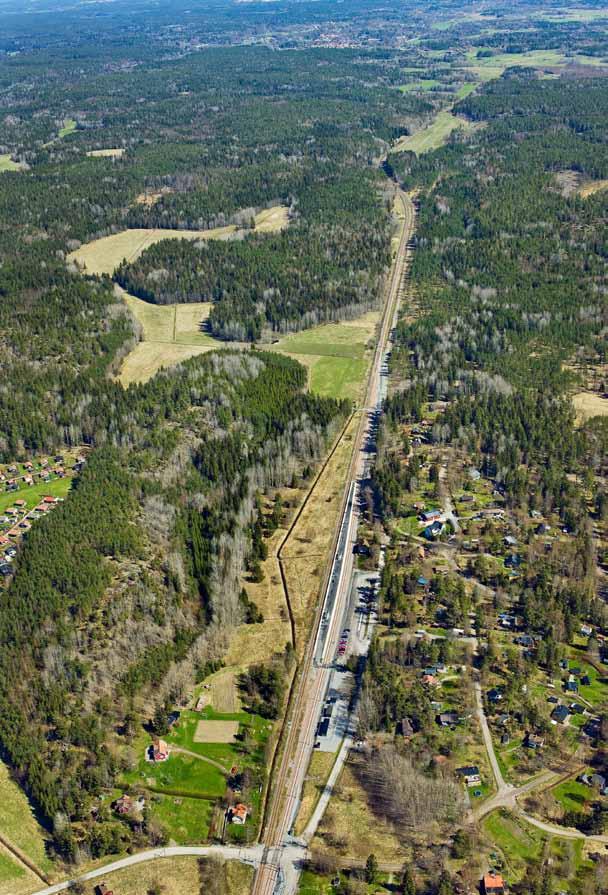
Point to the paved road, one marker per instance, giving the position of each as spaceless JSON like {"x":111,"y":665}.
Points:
{"x":252,"y":855}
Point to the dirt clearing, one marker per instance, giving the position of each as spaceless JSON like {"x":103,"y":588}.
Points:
{"x":588,"y":404}
{"x":216,"y":731}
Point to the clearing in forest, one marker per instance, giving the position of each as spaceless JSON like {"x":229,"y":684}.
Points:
{"x":7,"y":164}
{"x":102,"y":256}
{"x":106,"y":153}
{"x":588,"y":404}
{"x":433,"y":136}
{"x":216,"y":731}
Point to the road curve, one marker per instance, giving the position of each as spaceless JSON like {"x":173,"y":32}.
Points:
{"x":251,"y":855}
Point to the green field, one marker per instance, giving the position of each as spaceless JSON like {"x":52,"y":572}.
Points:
{"x":9,"y":869}
{"x":18,"y":823}
{"x":32,"y":494}
{"x":187,"y":820}
{"x":518,"y":842}
{"x":179,"y":775}
{"x":334,"y":354}
{"x":422,"y":85}
{"x":491,"y":67}
{"x":433,"y":136}
{"x":573,"y":796}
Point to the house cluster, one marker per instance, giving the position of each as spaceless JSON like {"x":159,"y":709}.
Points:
{"x":434,"y":525}
{"x":126,"y":806}
{"x":16,"y":522}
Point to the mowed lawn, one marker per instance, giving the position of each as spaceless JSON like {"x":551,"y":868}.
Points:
{"x":187,"y":820}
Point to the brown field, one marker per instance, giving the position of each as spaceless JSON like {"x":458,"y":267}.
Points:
{"x":359,"y":830}
{"x":106,"y":153}
{"x":306,"y":553}
{"x":216,"y":731}
{"x":147,"y":358}
{"x":102,"y":256}
{"x":256,"y":643}
{"x":591,"y":187}
{"x":174,"y":876}
{"x":588,"y":404}
{"x":319,"y":770}
{"x":223,"y":692}
{"x":150,"y":199}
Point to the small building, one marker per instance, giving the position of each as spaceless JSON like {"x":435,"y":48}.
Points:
{"x":525,"y":640}
{"x":430,"y":680}
{"x":470,"y":774}
{"x":586,"y":630}
{"x":494,"y":695}
{"x":571,"y":686}
{"x":473,"y":474}
{"x":433,"y":531}
{"x":510,"y":541}
{"x":423,"y":582}
{"x":237,"y":814}
{"x":173,"y":719}
{"x":407,"y":728}
{"x":431,"y":515}
{"x":448,"y":719}
{"x":532,"y":741}
{"x":159,"y":750}
{"x":124,"y":805}
{"x":560,"y":714}
{"x":585,"y":680}
{"x":493,"y":884}
{"x":513,"y":561}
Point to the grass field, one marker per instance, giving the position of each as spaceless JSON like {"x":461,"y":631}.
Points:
{"x":188,"y":820}
{"x":490,"y":67}
{"x":318,"y":772}
{"x":32,"y":494}
{"x":173,"y":876}
{"x":18,"y":823}
{"x":7,"y":164}
{"x":432,"y":136}
{"x":180,"y":775}
{"x":573,"y":796}
{"x":102,"y":256}
{"x":336,"y":355}
{"x":518,"y":842}
{"x":68,"y":128}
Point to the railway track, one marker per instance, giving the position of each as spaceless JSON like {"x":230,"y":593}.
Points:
{"x":309,"y":689}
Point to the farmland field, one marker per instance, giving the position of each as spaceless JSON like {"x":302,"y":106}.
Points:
{"x":102,"y":256}
{"x":106,"y":153}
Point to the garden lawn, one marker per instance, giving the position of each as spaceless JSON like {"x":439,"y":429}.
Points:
{"x":574,"y":796}
{"x":179,"y":775}
{"x":186,"y":820}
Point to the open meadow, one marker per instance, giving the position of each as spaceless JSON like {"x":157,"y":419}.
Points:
{"x":433,"y":136}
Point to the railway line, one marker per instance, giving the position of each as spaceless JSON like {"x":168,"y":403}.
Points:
{"x":278,"y":867}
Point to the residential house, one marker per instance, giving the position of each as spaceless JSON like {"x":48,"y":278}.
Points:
{"x":586,"y":630}
{"x":532,"y":741}
{"x":124,"y":805}
{"x":571,"y":686}
{"x":431,"y":515}
{"x":494,"y":695}
{"x":102,"y":889}
{"x":493,"y":884}
{"x":560,"y":714}
{"x":448,"y":719}
{"x":430,"y":680}
{"x":433,"y":531}
{"x":525,"y":640}
{"x":237,"y":814}
{"x":470,"y":774}
{"x":510,"y":541}
{"x":159,"y":750}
